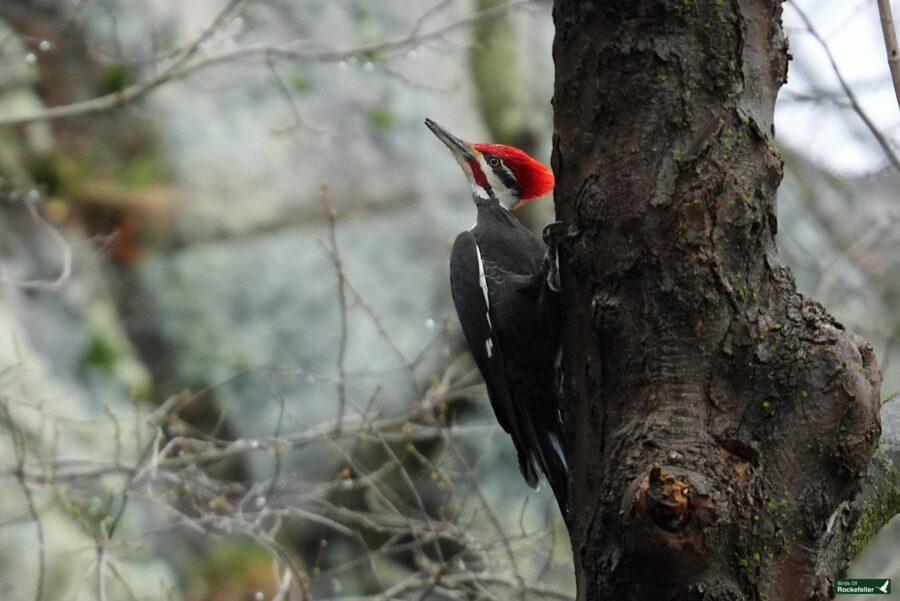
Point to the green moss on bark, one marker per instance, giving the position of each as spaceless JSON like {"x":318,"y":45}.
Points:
{"x":881,"y":503}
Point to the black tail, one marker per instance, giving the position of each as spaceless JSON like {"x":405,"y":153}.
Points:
{"x":557,"y":472}
{"x":550,"y":456}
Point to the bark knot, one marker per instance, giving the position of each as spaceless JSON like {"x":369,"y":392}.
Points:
{"x":667,"y":499}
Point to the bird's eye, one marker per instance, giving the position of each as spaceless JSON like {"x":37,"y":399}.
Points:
{"x":494,"y":162}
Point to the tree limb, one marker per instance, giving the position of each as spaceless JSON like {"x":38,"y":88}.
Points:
{"x":183,"y":67}
{"x":890,"y":44}
{"x":851,"y":96}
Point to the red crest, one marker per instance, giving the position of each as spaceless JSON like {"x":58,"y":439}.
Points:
{"x":535,"y":179}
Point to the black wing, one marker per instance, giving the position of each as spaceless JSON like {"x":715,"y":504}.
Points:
{"x":525,"y":314}
{"x":470,"y":296}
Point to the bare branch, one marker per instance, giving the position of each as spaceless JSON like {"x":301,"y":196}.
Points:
{"x":123,"y":581}
{"x":101,"y":571}
{"x":18,"y":440}
{"x":890,"y":44}
{"x":286,"y":580}
{"x":183,"y":67}
{"x":65,"y":274}
{"x":285,"y":92}
{"x":851,"y":96}
{"x":492,"y":517}
{"x":408,"y":365}
{"x":342,"y":307}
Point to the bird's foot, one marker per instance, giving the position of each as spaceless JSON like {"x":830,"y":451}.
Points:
{"x":554,"y":234}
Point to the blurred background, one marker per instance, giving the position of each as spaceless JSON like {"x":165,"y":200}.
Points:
{"x":229,"y":365}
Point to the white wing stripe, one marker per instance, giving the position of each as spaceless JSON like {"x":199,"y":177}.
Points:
{"x":554,"y":441}
{"x":482,"y":283}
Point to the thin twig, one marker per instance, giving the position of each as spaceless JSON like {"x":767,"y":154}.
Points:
{"x":101,"y":571}
{"x":277,"y":449}
{"x":492,"y":517}
{"x":104,"y":405}
{"x":414,"y":492}
{"x":285,"y":92}
{"x":890,"y":44}
{"x":342,"y":307}
{"x":876,"y":133}
{"x":183,"y":67}
{"x":417,"y":26}
{"x":286,"y":579}
{"x":31,"y":200}
{"x":19,"y":448}
{"x":178,"y":68}
{"x":456,"y":580}
{"x":395,"y":348}
{"x":123,"y":504}
{"x":129,"y":590}
{"x":410,"y":485}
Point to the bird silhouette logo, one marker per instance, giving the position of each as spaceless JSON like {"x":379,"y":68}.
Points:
{"x":884,"y":587}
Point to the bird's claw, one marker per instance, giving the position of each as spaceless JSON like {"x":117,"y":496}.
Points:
{"x":554,"y":234}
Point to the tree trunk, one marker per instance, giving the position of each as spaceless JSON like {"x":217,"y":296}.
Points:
{"x":720,"y":421}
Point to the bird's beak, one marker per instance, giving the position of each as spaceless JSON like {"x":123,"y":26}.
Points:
{"x":461,"y":150}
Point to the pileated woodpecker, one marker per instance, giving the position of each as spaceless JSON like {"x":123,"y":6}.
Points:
{"x":505,"y":285}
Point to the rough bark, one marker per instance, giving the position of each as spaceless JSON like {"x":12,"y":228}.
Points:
{"x":720,"y":421}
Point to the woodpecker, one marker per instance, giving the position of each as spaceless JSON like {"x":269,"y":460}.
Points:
{"x":504,"y":284}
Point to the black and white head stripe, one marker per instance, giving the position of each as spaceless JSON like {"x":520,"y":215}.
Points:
{"x":495,"y":180}
{"x":503,"y":173}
